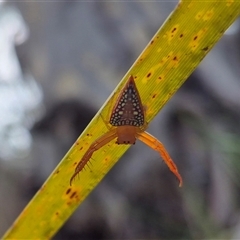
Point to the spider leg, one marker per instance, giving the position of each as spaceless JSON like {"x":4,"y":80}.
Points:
{"x":109,"y":113}
{"x":156,"y":145}
{"x":105,"y":122}
{"x":100,"y":142}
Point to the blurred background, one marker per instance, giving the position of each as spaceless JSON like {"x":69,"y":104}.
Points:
{"x":59,"y":62}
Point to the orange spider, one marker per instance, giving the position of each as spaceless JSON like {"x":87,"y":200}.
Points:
{"x":129,"y":124}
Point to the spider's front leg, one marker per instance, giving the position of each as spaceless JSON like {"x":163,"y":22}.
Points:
{"x":100,"y":142}
{"x":156,"y":145}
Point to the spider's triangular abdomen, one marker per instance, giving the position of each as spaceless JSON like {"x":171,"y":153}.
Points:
{"x":128,"y":109}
